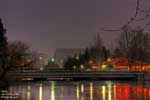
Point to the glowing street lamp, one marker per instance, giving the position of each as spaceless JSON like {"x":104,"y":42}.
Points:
{"x":82,"y":66}
{"x":77,"y":57}
{"x":41,"y":68}
{"x":90,"y":61}
{"x":109,"y":59}
{"x":53,"y":60}
{"x":74,"y":67}
{"x":104,"y":66}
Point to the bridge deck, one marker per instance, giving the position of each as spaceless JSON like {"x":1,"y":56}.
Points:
{"x":76,"y":74}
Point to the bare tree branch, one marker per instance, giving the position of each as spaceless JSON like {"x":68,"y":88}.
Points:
{"x":146,"y":25}
{"x":138,"y":11}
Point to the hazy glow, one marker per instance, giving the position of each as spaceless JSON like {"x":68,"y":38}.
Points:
{"x":91,"y":91}
{"x":104,"y":66}
{"x":90,"y":61}
{"x":77,"y":57}
{"x":40,"y":58}
{"x":109,"y":59}
{"x":53,"y":60}
{"x":74,"y":66}
{"x":40,"y":92}
{"x":41,"y":68}
{"x":52,"y":90}
{"x":82,"y":66}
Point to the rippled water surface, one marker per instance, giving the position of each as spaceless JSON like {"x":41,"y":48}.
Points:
{"x":81,"y":90}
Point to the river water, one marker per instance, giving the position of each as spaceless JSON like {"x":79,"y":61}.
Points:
{"x":81,"y":90}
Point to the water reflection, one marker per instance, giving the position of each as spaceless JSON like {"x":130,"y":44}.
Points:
{"x":103,"y":90}
{"x":91,"y":91}
{"x":40,"y":92}
{"x":28,"y":93}
{"x":52,"y":90}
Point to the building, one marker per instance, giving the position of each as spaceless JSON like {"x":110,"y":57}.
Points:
{"x":61,"y":54}
{"x":40,"y":60}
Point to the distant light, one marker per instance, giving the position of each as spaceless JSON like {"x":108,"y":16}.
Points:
{"x":74,"y":67}
{"x":28,"y":60}
{"x":90,"y":61}
{"x":143,"y":68}
{"x":40,"y":58}
{"x":104,"y":66}
{"x":41,"y":68}
{"x":94,"y":66}
{"x":53,"y":60}
{"x":61,"y":61}
{"x":108,"y":59}
{"x":82,"y":66}
{"x":77,"y":57}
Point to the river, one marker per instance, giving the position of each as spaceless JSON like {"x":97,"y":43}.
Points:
{"x":81,"y":90}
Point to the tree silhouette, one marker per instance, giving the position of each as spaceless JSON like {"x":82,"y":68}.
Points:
{"x":12,"y":54}
{"x":134,"y":45}
{"x":3,"y":51}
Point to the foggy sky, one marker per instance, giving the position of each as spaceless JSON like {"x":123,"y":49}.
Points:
{"x":49,"y":24}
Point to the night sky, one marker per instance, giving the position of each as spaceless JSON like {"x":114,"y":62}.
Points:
{"x":49,"y":24}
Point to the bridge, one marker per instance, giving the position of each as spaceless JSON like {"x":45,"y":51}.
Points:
{"x":50,"y":75}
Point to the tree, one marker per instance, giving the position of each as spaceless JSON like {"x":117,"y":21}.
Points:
{"x":3,"y":51}
{"x":12,"y":54}
{"x":68,"y":65}
{"x":98,"y":51}
{"x":20,"y":55}
{"x":134,"y":44}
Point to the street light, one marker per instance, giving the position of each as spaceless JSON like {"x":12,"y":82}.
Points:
{"x":77,"y":57}
{"x":41,"y":68}
{"x":82,"y":66}
{"x":53,"y":60}
{"x":74,"y":67}
{"x":90,"y":61}
{"x":109,"y":59}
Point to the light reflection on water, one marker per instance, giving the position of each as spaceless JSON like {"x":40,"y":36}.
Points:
{"x":94,"y":90}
